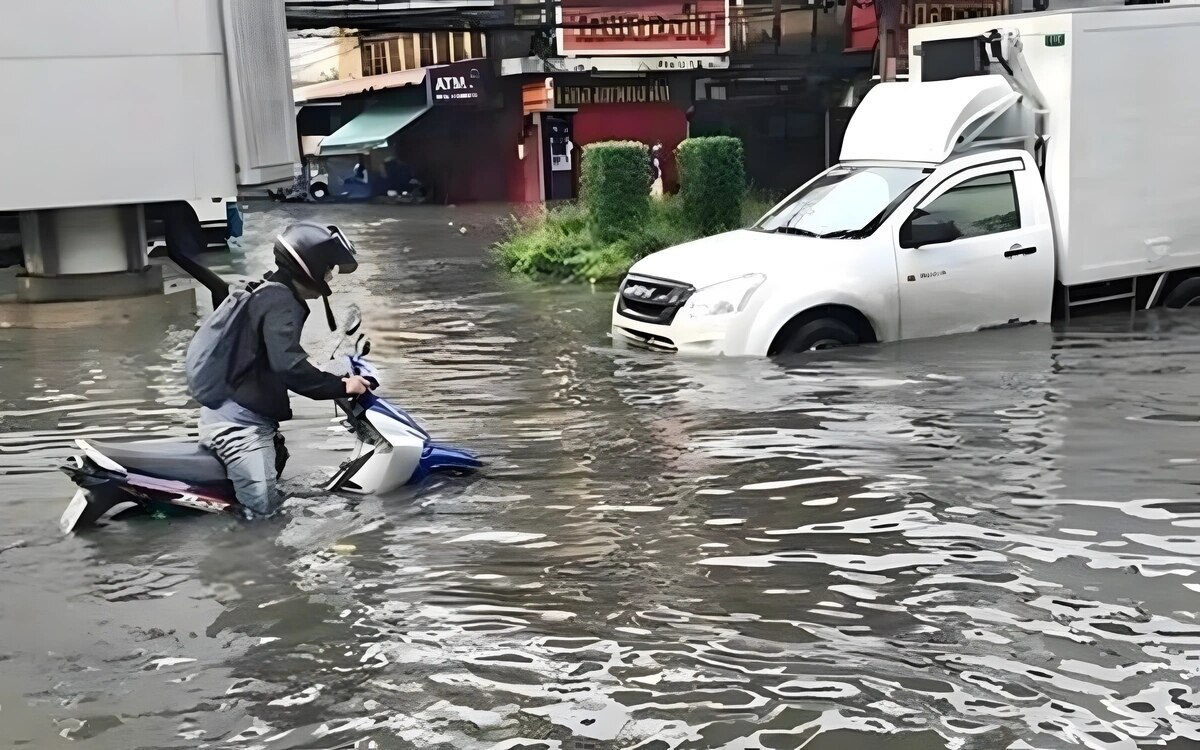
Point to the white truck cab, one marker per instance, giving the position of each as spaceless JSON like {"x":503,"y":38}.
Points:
{"x":1024,"y":170}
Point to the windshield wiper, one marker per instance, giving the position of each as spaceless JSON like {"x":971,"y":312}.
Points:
{"x":794,"y":230}
{"x":843,"y":234}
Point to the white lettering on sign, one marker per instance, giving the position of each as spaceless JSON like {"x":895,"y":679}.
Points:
{"x":637,"y":27}
{"x":615,"y":27}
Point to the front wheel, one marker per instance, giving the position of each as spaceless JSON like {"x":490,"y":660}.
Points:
{"x":1186,"y":294}
{"x":818,"y":335}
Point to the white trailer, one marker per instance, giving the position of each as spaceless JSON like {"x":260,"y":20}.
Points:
{"x":1032,"y":165}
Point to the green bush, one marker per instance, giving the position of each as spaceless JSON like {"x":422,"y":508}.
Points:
{"x":545,"y":244}
{"x":560,"y":243}
{"x":712,"y":176}
{"x":615,"y":183}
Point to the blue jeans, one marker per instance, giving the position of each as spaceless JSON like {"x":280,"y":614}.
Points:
{"x":251,"y":462}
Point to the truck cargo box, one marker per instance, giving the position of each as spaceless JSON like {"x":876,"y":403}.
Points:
{"x":1122,"y":160}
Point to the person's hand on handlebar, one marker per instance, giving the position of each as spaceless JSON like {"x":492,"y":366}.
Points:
{"x":356,"y":385}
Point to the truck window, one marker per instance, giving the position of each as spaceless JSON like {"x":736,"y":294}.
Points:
{"x":980,"y":206}
{"x":843,"y":202}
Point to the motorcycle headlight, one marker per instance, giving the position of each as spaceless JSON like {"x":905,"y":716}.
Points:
{"x":724,"y":298}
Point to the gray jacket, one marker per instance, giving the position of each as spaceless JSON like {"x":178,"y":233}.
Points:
{"x":270,"y":361}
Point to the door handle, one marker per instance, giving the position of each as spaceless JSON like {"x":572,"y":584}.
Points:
{"x":1016,"y":250}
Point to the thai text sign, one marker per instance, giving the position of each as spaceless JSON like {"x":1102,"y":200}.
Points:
{"x":652,"y":27}
{"x":862,"y":19}
{"x":615,"y":92}
{"x":915,"y":14}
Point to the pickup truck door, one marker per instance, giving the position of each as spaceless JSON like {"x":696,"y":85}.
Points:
{"x":976,"y":252}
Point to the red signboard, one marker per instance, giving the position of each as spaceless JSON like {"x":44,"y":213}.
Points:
{"x":647,"y":27}
{"x":862,"y":19}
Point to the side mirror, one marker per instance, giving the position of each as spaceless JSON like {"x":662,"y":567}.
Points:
{"x":927,"y":230}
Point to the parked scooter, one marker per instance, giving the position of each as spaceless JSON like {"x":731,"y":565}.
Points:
{"x":392,"y":450}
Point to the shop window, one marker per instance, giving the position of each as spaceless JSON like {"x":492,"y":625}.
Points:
{"x":375,"y":58}
{"x":442,"y":47}
{"x":464,"y":46}
{"x":426,"y":50}
{"x":408,"y":52}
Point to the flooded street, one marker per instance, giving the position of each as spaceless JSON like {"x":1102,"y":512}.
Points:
{"x":989,"y":541}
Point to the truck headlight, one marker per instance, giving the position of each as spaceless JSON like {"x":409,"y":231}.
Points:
{"x":724,"y":298}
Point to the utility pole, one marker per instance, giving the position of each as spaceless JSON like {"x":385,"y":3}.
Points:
{"x":777,"y":24}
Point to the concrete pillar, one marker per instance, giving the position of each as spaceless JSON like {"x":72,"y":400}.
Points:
{"x":95,"y":252}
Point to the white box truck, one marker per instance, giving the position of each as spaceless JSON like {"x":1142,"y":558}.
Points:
{"x":1033,"y":165}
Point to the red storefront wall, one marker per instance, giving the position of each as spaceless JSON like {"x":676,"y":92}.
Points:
{"x":647,"y":122}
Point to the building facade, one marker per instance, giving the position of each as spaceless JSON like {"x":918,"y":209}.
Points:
{"x":599,"y":71}
{"x":557,"y":75}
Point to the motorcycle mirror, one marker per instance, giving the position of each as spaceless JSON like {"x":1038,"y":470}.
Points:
{"x":353,"y":321}
{"x":366,"y":349}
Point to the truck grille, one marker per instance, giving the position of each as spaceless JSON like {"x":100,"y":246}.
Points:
{"x":652,"y":300}
{"x":648,"y":340}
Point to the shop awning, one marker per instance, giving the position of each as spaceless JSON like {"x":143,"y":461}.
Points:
{"x":371,"y":129}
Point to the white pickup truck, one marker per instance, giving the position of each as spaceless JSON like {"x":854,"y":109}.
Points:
{"x":1033,"y":165}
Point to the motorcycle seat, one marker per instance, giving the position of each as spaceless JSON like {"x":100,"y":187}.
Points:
{"x":183,"y":462}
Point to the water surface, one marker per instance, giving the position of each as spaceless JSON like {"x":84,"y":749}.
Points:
{"x":987,"y":541}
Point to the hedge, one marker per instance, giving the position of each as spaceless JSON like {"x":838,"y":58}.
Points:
{"x":615,"y":187}
{"x":712,"y":176}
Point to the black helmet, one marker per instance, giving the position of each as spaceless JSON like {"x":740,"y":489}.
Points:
{"x":312,"y":251}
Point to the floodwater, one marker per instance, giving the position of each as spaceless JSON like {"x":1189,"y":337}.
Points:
{"x":987,"y":541}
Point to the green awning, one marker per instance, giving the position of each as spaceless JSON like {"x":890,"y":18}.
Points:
{"x":371,"y":129}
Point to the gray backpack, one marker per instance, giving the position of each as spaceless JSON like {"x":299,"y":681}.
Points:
{"x":210,"y":355}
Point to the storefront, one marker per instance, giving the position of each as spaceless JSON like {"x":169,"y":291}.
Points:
{"x":564,"y":113}
{"x":441,"y":126}
{"x":627,"y":73}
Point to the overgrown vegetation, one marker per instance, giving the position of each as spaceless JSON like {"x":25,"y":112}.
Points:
{"x":616,"y":223}
{"x":615,"y":184}
{"x":712,"y":176}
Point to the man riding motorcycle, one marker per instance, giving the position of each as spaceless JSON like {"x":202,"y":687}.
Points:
{"x":266,"y":361}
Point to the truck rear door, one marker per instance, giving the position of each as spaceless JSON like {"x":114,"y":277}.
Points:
{"x":976,"y":252}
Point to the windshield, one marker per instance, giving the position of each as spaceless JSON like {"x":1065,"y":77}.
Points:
{"x":844,"y":202}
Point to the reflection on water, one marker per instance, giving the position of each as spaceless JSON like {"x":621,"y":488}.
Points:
{"x":979,"y":542}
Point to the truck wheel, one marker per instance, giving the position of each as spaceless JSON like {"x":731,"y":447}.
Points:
{"x":1184,"y":295}
{"x":816,"y":335}
{"x":318,"y":190}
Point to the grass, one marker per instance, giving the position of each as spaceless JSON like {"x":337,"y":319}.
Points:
{"x":557,"y":243}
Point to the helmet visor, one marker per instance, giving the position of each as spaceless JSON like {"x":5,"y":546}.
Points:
{"x":340,"y":251}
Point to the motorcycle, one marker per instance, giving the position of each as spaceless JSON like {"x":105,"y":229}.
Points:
{"x":392,"y":450}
